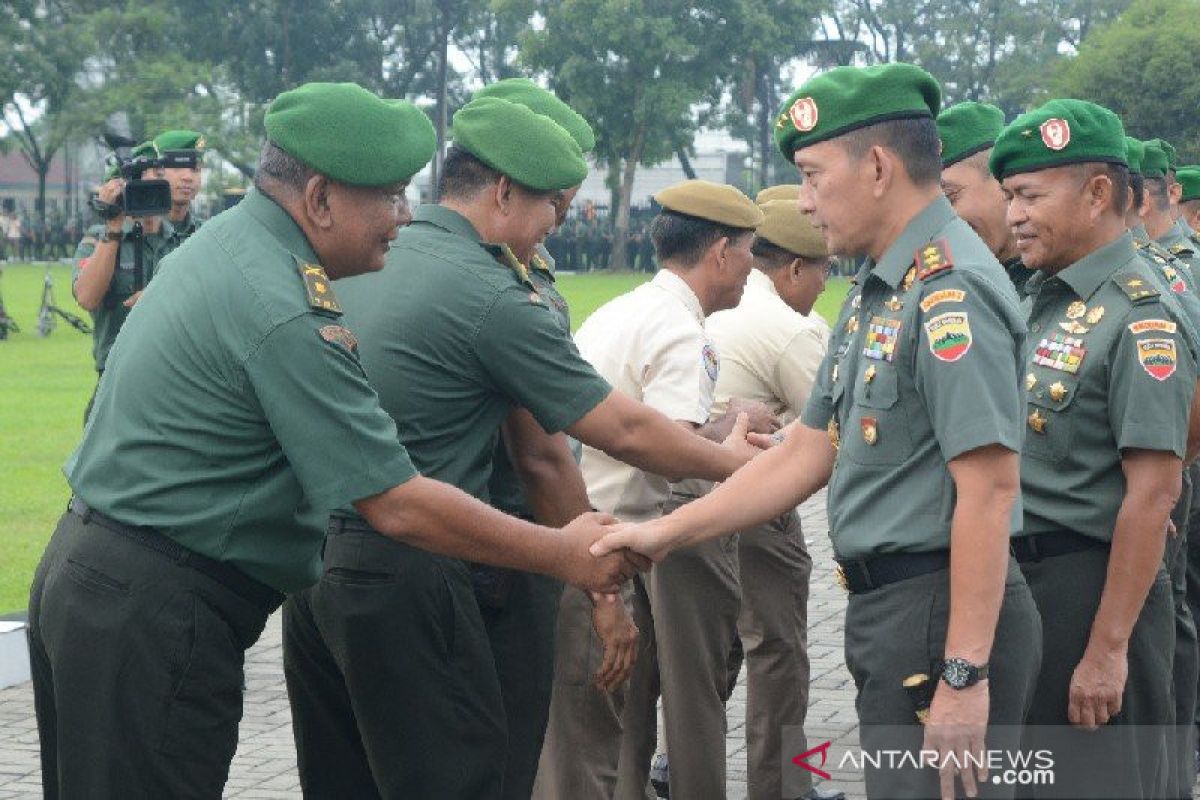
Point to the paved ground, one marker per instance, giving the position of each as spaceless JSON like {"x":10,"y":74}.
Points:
{"x":265,"y":763}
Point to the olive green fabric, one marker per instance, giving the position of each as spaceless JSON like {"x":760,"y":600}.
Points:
{"x":110,"y":316}
{"x":783,"y":191}
{"x":1172,"y":153}
{"x":714,"y":202}
{"x":1019,"y":274}
{"x":351,"y":135}
{"x":1179,"y":243}
{"x":785,"y":226}
{"x":1173,"y":279}
{"x":901,"y":420}
{"x":528,"y":147}
{"x":1135,"y":152}
{"x":1189,"y":180}
{"x":525,"y":92}
{"x":233,"y":414}
{"x":1131,"y":389}
{"x":504,"y":487}
{"x":453,"y":338}
{"x":179,"y":140}
{"x":846,"y":98}
{"x":1154,"y":161}
{"x":1056,"y":133}
{"x":968,"y":128}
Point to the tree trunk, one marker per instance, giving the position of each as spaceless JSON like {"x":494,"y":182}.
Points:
{"x":439,"y":155}
{"x":685,"y":163}
{"x":765,"y":112}
{"x":43,"y":169}
{"x":621,"y":229}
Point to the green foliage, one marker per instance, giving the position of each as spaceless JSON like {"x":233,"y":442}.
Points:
{"x":1146,"y":67}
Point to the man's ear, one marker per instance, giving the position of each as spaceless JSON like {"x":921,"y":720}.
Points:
{"x":504,"y":193}
{"x":794,"y":269}
{"x":317,"y":207}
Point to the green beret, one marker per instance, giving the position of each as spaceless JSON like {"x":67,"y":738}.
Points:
{"x":1172,"y":154}
{"x":528,"y":147}
{"x":846,"y":98}
{"x":784,"y":191}
{"x":179,"y":140}
{"x":715,"y":202}
{"x":1056,"y":133}
{"x":351,"y":135}
{"x":1189,"y":179}
{"x":527,"y":93}
{"x":968,"y":128}
{"x":1154,"y":162}
{"x":785,"y":226}
{"x":1135,"y":151}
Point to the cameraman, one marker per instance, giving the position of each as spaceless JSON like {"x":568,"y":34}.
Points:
{"x":184,"y":180}
{"x":104,"y":280}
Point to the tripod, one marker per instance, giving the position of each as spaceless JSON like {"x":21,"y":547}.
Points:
{"x":48,"y":311}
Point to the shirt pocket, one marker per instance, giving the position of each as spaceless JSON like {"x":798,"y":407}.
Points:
{"x":1048,"y":415}
{"x":877,"y":430}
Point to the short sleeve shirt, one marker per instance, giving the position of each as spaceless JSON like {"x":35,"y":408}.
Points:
{"x":650,"y":344}
{"x":234,"y":412}
{"x":1107,"y":368}
{"x":110,"y":316}
{"x":923,"y":367}
{"x":453,"y":335}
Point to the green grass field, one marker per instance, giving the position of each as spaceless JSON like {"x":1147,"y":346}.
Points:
{"x":45,"y":384}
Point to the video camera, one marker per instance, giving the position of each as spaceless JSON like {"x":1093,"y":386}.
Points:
{"x":141,"y":197}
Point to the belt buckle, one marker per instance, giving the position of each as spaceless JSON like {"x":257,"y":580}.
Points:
{"x":839,"y":576}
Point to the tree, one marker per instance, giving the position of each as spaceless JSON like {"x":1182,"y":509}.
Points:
{"x":1146,"y":67}
{"x":634,"y":69}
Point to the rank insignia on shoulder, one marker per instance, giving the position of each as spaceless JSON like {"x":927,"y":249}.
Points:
{"x":1181,"y":249}
{"x":317,"y":287}
{"x":509,"y":259}
{"x":909,"y":278}
{"x":342,"y":337}
{"x":1134,"y":287}
{"x":933,"y":259}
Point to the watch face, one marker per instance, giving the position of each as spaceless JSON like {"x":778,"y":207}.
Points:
{"x":957,"y":673}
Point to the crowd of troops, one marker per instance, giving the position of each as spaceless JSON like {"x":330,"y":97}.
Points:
{"x":498,"y":547}
{"x":33,"y":238}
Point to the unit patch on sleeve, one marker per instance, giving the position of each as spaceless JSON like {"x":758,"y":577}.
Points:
{"x":342,"y":337}
{"x":1157,"y":357}
{"x":949,"y":335}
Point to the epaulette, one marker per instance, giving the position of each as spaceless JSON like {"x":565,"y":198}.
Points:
{"x":539,"y":263}
{"x":1181,"y":250}
{"x":933,"y":259}
{"x":1135,"y":287}
{"x":504,"y":254}
{"x":316,"y":287}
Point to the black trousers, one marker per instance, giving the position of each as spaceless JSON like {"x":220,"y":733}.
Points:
{"x":900,"y":630}
{"x":1185,"y":666}
{"x":137,"y":669}
{"x":1131,"y":758}
{"x":390,"y":676}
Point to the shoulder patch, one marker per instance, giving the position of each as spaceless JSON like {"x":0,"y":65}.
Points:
{"x":1135,"y":287}
{"x":943,"y":296}
{"x":342,"y":337}
{"x":1157,"y":357}
{"x":933,"y":259}
{"x":317,"y":287}
{"x":949,"y":335}
{"x":509,"y":259}
{"x":712,"y":362}
{"x":1142,"y":326}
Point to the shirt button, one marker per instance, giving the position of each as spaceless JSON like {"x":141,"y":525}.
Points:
{"x":1035,"y":327}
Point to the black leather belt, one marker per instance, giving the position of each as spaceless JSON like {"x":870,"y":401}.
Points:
{"x":858,"y":575}
{"x":252,"y":591}
{"x":1048,"y":545}
{"x":348,"y":525}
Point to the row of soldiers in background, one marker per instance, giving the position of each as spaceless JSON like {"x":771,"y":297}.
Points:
{"x":583,"y":244}
{"x":25,"y":237}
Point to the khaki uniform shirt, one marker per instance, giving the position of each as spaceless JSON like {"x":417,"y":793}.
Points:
{"x":650,"y":344}
{"x":923,"y":367}
{"x":1106,"y":368}
{"x":234,"y":412}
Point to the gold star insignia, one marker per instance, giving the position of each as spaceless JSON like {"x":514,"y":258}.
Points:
{"x":1133,"y":282}
{"x":1076,"y":310}
{"x":1057,"y":391}
{"x":894,"y":304}
{"x":1037,"y":422}
{"x":1030,"y":382}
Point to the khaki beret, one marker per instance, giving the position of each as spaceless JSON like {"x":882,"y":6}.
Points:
{"x":785,"y":226}
{"x":784,"y":191}
{"x":715,"y":202}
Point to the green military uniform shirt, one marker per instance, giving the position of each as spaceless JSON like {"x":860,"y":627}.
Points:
{"x":453,"y":336}
{"x":110,"y":316}
{"x":504,"y":488}
{"x":1019,"y":274}
{"x":922,"y":367}
{"x":234,"y":413}
{"x":1106,"y":368}
{"x":1179,"y":243}
{"x":182,"y":230}
{"x":1174,"y":281}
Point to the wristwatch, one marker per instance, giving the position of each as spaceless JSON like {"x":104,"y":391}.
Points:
{"x":110,"y":236}
{"x":958,"y":673}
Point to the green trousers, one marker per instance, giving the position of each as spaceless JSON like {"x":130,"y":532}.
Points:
{"x":390,"y":677}
{"x":137,"y":669}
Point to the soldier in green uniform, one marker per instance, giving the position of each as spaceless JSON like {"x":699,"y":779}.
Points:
{"x":915,"y":423}
{"x":454,"y":336}
{"x":1108,"y":383}
{"x":968,"y":131}
{"x":1159,"y":210}
{"x":1189,"y":199}
{"x":236,"y":413}
{"x":184,"y":180}
{"x":106,"y":281}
